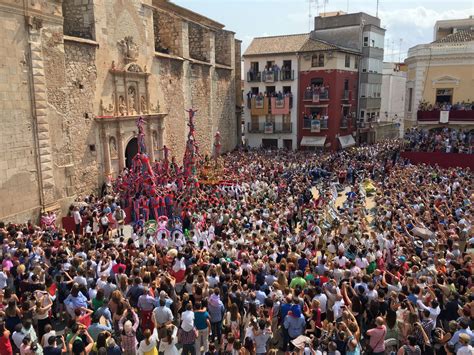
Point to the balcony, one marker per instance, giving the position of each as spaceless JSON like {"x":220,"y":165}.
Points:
{"x":307,"y":124}
{"x":269,"y":127}
{"x":249,"y":102}
{"x":346,"y":95}
{"x":370,"y":103}
{"x":344,"y":122}
{"x":454,"y":116}
{"x":269,"y":76}
{"x":316,"y":95}
{"x":372,"y":52}
{"x":254,"y":76}
{"x":371,"y":78}
{"x":287,"y":75}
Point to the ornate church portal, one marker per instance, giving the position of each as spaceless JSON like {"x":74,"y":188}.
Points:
{"x":129,"y":100}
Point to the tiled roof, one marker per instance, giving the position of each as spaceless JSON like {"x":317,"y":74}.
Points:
{"x":459,"y":36}
{"x":314,"y":45}
{"x":276,"y":44}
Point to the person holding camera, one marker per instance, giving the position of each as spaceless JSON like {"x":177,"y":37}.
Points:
{"x":52,"y":347}
{"x":81,"y":342}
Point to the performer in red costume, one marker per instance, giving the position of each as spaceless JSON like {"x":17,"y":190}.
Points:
{"x":145,"y":207}
{"x":162,"y":209}
{"x":154,"y":204}
{"x":169,"y":204}
{"x":136,"y":208}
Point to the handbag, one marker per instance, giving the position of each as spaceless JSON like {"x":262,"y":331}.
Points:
{"x":368,"y":348}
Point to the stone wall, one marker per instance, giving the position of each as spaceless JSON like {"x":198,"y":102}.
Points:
{"x":79,"y":18}
{"x":200,"y":87}
{"x":223,"y":43}
{"x":170,"y":83}
{"x":386,"y":131}
{"x":168,"y":33}
{"x":53,"y":130}
{"x":225,"y":117}
{"x":19,"y":182}
{"x":199,"y":42}
{"x":238,"y":90}
{"x":79,"y":126}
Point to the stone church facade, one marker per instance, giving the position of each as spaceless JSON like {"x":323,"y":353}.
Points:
{"x":75,"y":75}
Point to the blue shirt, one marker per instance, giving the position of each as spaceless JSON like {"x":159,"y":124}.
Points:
{"x":95,"y":329}
{"x":76,"y":302}
{"x":455,"y":339}
{"x":285,"y":308}
{"x":216,"y":313}
{"x":295,"y":326}
{"x":302,"y":263}
{"x":200,"y":320}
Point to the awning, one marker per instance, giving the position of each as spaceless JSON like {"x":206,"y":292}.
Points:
{"x":308,"y":141}
{"x":347,"y":141}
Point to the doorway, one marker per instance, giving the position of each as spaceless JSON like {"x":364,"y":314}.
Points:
{"x":130,"y":152}
{"x":270,"y":143}
{"x":444,"y":96}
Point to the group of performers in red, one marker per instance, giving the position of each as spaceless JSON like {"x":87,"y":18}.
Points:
{"x":151,"y":191}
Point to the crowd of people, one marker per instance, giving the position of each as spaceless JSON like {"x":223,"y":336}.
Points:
{"x":295,"y":256}
{"x":446,"y":106}
{"x":446,"y":140}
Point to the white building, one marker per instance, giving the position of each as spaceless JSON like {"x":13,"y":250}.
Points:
{"x":392,"y":108}
{"x":271,"y":66}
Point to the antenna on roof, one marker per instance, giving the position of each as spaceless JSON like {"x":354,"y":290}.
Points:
{"x":310,"y":3}
{"x":377,"y":12}
{"x":400,"y":49}
{"x":324,"y":5}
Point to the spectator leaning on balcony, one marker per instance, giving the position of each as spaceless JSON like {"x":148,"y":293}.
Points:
{"x":447,"y":140}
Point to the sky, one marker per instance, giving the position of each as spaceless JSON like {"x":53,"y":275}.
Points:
{"x":411,"y":21}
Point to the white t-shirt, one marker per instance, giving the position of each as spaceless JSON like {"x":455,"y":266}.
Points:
{"x":337,"y":309}
{"x":361,"y":263}
{"x":341,"y":261}
{"x":46,"y":337}
{"x":77,"y":217}
{"x":323,"y":300}
{"x":465,"y":350}
{"x":187,"y":322}
{"x":81,"y":280}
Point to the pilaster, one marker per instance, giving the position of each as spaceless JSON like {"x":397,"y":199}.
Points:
{"x":41,"y":114}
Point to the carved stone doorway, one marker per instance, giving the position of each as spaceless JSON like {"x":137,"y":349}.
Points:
{"x":130,"y":152}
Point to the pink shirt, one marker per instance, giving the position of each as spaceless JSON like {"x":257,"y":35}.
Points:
{"x":377,"y":341}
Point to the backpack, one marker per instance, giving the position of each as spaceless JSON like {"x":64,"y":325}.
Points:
{"x":408,"y":351}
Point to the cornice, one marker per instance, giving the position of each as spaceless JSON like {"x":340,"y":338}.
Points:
{"x":17,"y":8}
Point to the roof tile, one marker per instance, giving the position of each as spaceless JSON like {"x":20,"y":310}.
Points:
{"x":276,"y":44}
{"x":459,"y":36}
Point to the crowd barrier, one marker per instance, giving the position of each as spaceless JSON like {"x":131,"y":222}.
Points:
{"x":444,"y":160}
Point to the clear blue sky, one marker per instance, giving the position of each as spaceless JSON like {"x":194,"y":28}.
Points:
{"x":410,"y":20}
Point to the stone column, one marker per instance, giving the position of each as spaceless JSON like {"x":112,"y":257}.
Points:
{"x":121,"y":150}
{"x":106,"y":151}
{"x":149,"y":143}
{"x":160,"y":138}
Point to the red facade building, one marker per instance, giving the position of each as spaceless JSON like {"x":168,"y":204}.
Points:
{"x":327,"y":100}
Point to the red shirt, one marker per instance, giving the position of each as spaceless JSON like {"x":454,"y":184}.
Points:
{"x":115,"y":268}
{"x":5,"y":345}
